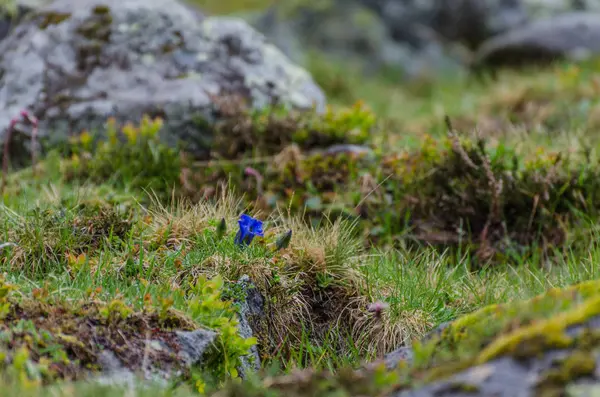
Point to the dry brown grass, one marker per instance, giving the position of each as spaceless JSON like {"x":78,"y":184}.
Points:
{"x":314,"y":286}
{"x":182,"y":221}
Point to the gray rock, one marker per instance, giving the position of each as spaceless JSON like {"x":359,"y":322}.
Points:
{"x":538,"y":9}
{"x":573,"y":36}
{"x":504,"y":377}
{"x":340,"y":30}
{"x":418,"y":38}
{"x":346,"y":148}
{"x":74,"y":63}
{"x":406,"y":354}
{"x":192,"y":347}
{"x":250,"y":309}
{"x":109,"y":363}
{"x":501,"y":378}
{"x":513,"y":377}
{"x":14,"y":11}
{"x":194,"y":344}
{"x":113,"y":372}
{"x":394,"y":358}
{"x":473,"y":21}
{"x":469,"y":21}
{"x":436,"y":331}
{"x":354,"y":32}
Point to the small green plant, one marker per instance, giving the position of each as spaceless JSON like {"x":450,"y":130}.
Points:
{"x":5,"y":291}
{"x":133,"y":157}
{"x":242,"y":131}
{"x":208,"y":308}
{"x":116,"y":310}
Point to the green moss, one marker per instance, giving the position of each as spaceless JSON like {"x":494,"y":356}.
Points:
{"x":52,"y":18}
{"x":45,"y":339}
{"x":101,"y":10}
{"x":132,"y":157}
{"x":542,"y":335}
{"x":462,"y":387}
{"x":231,"y":6}
{"x":9,"y":8}
{"x":98,"y":26}
{"x":499,"y":330}
{"x":521,"y":329}
{"x":241,"y":131}
{"x":577,"y":365}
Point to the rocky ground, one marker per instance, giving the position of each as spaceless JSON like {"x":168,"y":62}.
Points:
{"x":382,"y":198}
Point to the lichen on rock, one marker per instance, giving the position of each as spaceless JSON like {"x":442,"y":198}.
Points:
{"x":74,"y":63}
{"x":544,"y":346}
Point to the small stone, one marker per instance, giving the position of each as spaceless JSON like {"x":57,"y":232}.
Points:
{"x":393,"y":359}
{"x":113,"y":372}
{"x":348,"y":148}
{"x":194,"y":344}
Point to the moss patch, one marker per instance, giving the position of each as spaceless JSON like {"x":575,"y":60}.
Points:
{"x":580,"y":364}
{"x":241,"y":132}
{"x":59,"y":235}
{"x":520,"y":329}
{"x":52,"y":18}
{"x":545,"y":322}
{"x":64,"y":340}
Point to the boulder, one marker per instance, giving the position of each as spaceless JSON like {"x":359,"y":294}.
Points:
{"x":74,"y":63}
{"x":351,"y":31}
{"x":393,"y":359}
{"x":415,"y":37}
{"x":466,"y":21}
{"x":14,"y":11}
{"x":538,"y":9}
{"x":470,"y":22}
{"x":573,"y":36}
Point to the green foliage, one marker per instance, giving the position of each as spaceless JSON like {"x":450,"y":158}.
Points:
{"x":221,"y":229}
{"x":208,"y":308}
{"x":140,"y":161}
{"x":521,"y":329}
{"x":51,"y":238}
{"x":115,"y":311}
{"x":8,"y":7}
{"x":56,"y":344}
{"x":5,"y":290}
{"x":414,"y":189}
{"x":241,"y":131}
{"x":455,"y":192}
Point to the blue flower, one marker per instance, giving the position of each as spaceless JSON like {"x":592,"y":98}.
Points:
{"x":249,"y":228}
